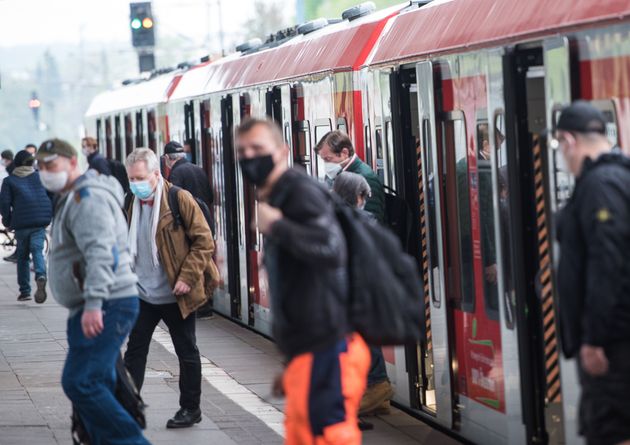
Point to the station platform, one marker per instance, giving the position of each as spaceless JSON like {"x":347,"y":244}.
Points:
{"x":238,"y":367}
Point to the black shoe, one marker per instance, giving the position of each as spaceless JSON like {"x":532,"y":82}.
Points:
{"x":24,"y":297}
{"x":365,"y":426}
{"x":184,"y":418}
{"x":11,"y":258}
{"x":40,"y":293}
{"x":204,"y":312}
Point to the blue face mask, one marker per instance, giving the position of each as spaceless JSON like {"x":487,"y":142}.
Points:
{"x":142,"y":189}
{"x":189,"y":157}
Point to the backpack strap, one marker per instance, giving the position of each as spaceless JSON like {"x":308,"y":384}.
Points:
{"x":173,"y":204}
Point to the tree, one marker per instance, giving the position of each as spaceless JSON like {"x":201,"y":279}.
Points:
{"x":267,"y":18}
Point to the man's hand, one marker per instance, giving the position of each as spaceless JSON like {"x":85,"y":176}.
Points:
{"x":594,"y":360}
{"x":277,"y":389}
{"x":267,"y":216}
{"x":92,"y":323}
{"x":181,"y":288}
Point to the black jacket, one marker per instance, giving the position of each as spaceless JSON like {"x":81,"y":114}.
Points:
{"x":594,"y":268}
{"x":306,"y":258}
{"x":192,"y":178}
{"x":97,"y":162}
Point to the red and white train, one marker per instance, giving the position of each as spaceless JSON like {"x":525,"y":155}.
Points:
{"x":447,"y":101}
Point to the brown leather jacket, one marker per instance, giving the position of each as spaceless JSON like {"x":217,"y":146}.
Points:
{"x":186,"y":252}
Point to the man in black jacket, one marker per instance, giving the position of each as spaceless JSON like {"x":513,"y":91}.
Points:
{"x":306,"y":261}
{"x":96,"y":161}
{"x":594,"y":273}
{"x":187,"y":175}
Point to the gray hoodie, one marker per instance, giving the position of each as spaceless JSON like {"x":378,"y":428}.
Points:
{"x":89,"y":259}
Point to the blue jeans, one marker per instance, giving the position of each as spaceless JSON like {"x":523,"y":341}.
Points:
{"x":89,"y":375}
{"x":30,"y":242}
{"x":378,"y":371}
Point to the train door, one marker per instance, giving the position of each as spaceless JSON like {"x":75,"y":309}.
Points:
{"x":139,"y":129}
{"x":233,"y":222}
{"x":118,"y":139}
{"x":440,"y":398}
{"x":417,"y":372}
{"x":538,"y":85}
{"x":129,"y":135}
{"x":109,"y":152}
{"x":190,"y":129}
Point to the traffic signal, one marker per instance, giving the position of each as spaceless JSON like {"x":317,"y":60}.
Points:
{"x":141,"y":24}
{"x":34,"y":104}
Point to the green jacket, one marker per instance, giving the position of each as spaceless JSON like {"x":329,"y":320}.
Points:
{"x":376,"y":204}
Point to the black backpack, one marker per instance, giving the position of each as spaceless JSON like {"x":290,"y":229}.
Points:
{"x":126,"y":393}
{"x":120,"y":173}
{"x":173,"y":203}
{"x":386,"y":303}
{"x":397,"y":215}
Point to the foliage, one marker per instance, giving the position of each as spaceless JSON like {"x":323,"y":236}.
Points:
{"x":334,"y":8}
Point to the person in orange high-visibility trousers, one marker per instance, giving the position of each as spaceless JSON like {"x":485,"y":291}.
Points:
{"x":323,"y":391}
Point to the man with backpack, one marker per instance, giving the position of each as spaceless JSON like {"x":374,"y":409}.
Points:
{"x":90,"y":274}
{"x":306,"y":260}
{"x":593,"y":278}
{"x":337,"y":151}
{"x":187,"y":175}
{"x":172,"y":246}
{"x":26,"y":208}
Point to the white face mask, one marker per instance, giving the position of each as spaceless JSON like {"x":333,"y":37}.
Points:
{"x":332,"y":169}
{"x":54,"y":181}
{"x":86,"y":151}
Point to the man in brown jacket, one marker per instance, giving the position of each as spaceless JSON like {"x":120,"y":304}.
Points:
{"x":176,"y":275}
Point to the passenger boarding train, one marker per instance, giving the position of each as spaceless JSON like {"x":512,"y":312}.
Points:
{"x":447,"y":101}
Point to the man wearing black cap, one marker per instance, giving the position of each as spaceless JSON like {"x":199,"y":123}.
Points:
{"x":27,"y":209}
{"x":593,"y":273}
{"x":185,"y":174}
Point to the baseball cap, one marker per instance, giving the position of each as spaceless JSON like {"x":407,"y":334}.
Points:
{"x":173,"y":147}
{"x":53,"y":148}
{"x":582,"y":117}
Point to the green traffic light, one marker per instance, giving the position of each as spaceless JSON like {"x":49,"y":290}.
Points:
{"x":136,"y":23}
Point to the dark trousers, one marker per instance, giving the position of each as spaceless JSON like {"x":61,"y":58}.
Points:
{"x":605,"y":402}
{"x":183,"y":335}
{"x":378,"y":371}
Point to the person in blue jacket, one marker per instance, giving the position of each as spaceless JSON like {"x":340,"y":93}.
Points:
{"x":26,"y":208}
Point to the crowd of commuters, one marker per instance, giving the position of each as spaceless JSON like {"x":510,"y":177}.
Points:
{"x":121,"y":264}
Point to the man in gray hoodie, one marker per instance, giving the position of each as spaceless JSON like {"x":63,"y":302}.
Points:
{"x":90,"y":274}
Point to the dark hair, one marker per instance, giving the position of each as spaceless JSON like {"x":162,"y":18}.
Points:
{"x":250,"y":123}
{"x":337,"y":141}
{"x":190,"y":142}
{"x":30,"y":146}
{"x":24,"y":158}
{"x":7,"y":154}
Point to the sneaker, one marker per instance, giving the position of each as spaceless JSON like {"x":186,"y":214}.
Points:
{"x":375,"y":396}
{"x":11,"y":258}
{"x":24,"y":297}
{"x":184,"y":418}
{"x":40,"y":293}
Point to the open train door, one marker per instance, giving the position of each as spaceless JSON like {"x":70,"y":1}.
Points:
{"x":560,"y":184}
{"x":439,"y":396}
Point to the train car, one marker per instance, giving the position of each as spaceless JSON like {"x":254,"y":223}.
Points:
{"x":305,"y":80}
{"x":132,"y":116}
{"x":460,"y":114}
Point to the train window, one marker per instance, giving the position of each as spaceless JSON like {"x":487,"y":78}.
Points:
{"x":302,"y":146}
{"x":607,"y":107}
{"x":139,"y":130}
{"x":128,"y":134}
{"x":505,"y":229}
{"x":108,"y":137}
{"x":118,"y":138}
{"x":389,"y":140}
{"x":152,"y":129}
{"x":460,"y":245}
{"x":380,"y":165}
{"x":368,"y":145}
{"x":99,"y":133}
{"x":342,"y":125}
{"x":486,"y":217}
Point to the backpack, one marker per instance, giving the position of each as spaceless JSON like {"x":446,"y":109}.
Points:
{"x":386,"y":303}
{"x":126,"y":393}
{"x":119,"y":172}
{"x":173,"y":203}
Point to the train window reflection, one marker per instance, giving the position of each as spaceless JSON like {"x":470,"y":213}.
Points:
{"x":486,"y":214}
{"x":460,"y":251}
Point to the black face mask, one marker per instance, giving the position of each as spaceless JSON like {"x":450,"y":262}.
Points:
{"x":256,"y":170}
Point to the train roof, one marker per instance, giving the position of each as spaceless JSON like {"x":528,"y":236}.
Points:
{"x":449,"y":25}
{"x":135,"y":95}
{"x":341,"y":46}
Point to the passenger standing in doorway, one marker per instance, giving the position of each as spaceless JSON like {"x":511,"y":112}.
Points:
{"x":306,"y":260}
{"x":337,"y":151}
{"x":188,"y":149}
{"x":90,"y":274}
{"x":26,"y":208}
{"x":31,"y":149}
{"x":176,"y":276}
{"x":594,"y":274}
{"x":96,"y":161}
